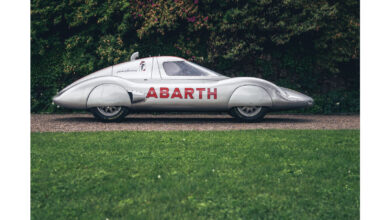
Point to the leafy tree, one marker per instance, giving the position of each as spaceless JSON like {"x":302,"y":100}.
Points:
{"x":312,"y":46}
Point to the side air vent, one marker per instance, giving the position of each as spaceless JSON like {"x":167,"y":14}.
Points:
{"x":136,"y":96}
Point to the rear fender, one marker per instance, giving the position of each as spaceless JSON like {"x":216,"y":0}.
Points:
{"x":250,"y":95}
{"x":108,"y":95}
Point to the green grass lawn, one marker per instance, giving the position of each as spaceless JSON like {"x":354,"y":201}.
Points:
{"x":266,"y":174}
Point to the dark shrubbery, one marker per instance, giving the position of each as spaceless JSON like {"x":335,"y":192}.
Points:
{"x":310,"y":46}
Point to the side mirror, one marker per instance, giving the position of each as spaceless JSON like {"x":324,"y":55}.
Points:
{"x":134,"y":56}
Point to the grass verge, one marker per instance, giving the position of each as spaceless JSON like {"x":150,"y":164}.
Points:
{"x":272,"y":174}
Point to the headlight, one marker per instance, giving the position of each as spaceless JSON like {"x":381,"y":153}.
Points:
{"x":282,"y":93}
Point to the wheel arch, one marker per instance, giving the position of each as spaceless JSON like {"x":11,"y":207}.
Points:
{"x":250,"y":95}
{"x":108,"y":94}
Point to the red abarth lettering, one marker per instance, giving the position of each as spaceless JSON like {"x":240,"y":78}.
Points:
{"x":209,"y":94}
{"x":176,"y":93}
{"x":164,"y":92}
{"x":200,"y":90}
{"x":188,"y":92}
{"x":152,"y":93}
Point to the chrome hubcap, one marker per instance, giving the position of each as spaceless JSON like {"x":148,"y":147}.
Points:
{"x":249,"y":111}
{"x":109,"y":110}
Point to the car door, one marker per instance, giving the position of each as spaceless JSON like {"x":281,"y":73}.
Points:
{"x":183,"y":86}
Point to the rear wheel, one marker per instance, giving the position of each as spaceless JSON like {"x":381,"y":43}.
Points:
{"x":110,"y":113}
{"x":249,"y":113}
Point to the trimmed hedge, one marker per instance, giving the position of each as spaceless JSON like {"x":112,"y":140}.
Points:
{"x":312,"y":47}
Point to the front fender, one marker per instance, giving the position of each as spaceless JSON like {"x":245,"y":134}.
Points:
{"x":250,"y":95}
{"x":108,"y":95}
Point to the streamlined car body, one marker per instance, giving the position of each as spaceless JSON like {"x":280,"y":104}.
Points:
{"x":168,"y":83}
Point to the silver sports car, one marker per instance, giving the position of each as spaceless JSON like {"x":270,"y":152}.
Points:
{"x":168,"y":83}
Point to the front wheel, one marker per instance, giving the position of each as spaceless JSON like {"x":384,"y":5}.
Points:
{"x":110,"y":113}
{"x":249,"y":113}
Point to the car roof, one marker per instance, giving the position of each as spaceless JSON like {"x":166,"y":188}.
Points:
{"x":160,"y":58}
{"x":165,"y":58}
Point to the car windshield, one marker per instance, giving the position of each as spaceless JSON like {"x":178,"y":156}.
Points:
{"x":185,"y":68}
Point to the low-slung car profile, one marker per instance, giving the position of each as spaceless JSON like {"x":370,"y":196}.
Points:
{"x":167,"y":83}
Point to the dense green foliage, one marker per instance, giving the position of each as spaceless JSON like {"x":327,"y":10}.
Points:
{"x":263,"y":174}
{"x":311,"y":46}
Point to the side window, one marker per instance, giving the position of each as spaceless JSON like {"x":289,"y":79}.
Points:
{"x":181,"y":68}
{"x":138,"y":69}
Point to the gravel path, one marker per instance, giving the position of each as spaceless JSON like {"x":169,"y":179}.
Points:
{"x":165,"y":122}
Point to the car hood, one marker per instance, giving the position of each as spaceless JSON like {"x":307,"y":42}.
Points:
{"x":104,"y":72}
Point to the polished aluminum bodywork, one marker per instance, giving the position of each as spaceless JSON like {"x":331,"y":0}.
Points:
{"x":143,"y":84}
